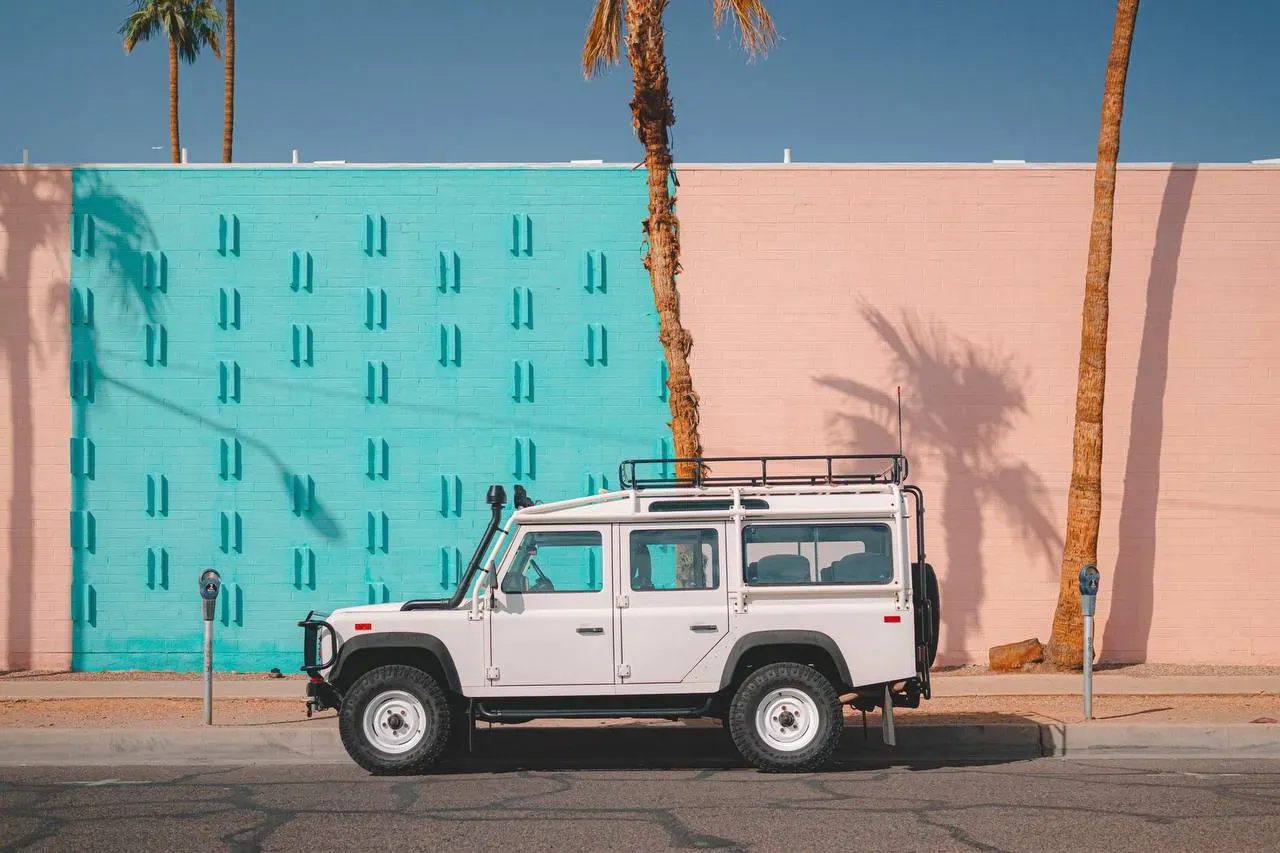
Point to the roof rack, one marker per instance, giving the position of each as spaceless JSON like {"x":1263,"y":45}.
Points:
{"x":754,"y":471}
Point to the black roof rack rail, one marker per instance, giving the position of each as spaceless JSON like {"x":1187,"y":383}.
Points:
{"x":754,"y":471}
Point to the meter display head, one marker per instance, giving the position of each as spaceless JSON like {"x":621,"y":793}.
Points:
{"x":210,"y":583}
{"x":1089,"y":579}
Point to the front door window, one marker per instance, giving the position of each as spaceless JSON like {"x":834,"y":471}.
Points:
{"x":557,"y":562}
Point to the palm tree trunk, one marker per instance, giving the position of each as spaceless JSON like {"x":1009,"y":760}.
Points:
{"x":1084,"y":501}
{"x":229,"y":103}
{"x":173,"y":101}
{"x":652,"y":114}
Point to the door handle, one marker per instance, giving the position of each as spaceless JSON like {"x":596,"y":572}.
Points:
{"x":704,"y":629}
{"x":590,"y":630}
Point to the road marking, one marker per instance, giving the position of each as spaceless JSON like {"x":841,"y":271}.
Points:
{"x":1206,"y":775}
{"x":99,"y":783}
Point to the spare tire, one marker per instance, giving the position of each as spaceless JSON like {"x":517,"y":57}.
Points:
{"x":934,"y":613}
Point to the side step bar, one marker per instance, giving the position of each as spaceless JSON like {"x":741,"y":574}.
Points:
{"x":501,"y":715}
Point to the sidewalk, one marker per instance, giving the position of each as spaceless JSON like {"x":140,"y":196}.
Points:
{"x":623,"y":745}
{"x":118,"y":719}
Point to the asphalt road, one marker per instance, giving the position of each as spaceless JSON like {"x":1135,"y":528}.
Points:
{"x":1036,"y":805}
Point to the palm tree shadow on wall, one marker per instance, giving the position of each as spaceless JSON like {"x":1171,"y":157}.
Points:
{"x":1128,"y":629}
{"x":960,"y":403}
{"x":124,"y":233}
{"x":121,"y":232}
{"x":32,"y":202}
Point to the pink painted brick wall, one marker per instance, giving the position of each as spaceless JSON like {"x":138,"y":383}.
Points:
{"x":35,"y":556}
{"x":813,"y":292}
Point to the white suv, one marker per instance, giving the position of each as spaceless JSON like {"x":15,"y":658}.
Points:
{"x":766,"y":594}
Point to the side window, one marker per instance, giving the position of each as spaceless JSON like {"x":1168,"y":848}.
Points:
{"x":674,"y":559}
{"x":560,"y":561}
{"x":817,"y":554}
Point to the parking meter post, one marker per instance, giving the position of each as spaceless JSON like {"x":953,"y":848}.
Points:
{"x":210,"y":584}
{"x":208,"y":672}
{"x":1088,"y":603}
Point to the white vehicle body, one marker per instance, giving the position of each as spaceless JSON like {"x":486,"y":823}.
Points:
{"x":658,"y":600}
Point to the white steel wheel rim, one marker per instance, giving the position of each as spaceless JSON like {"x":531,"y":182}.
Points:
{"x":787,"y":719}
{"x":395,"y":721}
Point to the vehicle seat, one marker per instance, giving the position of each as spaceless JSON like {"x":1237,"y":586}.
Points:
{"x":782,"y":569}
{"x":862,"y":568}
{"x":641,"y":569}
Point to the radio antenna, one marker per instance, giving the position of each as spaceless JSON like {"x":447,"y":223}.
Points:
{"x":900,"y":451}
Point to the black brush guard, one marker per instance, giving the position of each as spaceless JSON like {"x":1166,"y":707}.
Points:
{"x":320,"y":693}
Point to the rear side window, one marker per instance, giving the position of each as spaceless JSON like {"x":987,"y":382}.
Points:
{"x":803,"y":554}
{"x":674,"y":559}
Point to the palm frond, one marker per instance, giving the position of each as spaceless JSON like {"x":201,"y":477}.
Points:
{"x":603,"y":45}
{"x":197,"y":24}
{"x":755,"y":25}
{"x":207,"y":21}
{"x":143,"y":23}
{"x":189,"y":24}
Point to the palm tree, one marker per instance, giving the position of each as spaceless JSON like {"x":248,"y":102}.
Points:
{"x":1084,"y":501}
{"x":188,"y":25}
{"x":229,"y":100}
{"x":652,"y":114}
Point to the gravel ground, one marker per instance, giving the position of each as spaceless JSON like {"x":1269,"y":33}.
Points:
{"x":182,"y":713}
{"x":134,"y":675}
{"x":1137,"y":670}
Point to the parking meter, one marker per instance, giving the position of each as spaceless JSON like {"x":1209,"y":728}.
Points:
{"x":1088,"y":603}
{"x":210,"y":585}
{"x":1088,"y":589}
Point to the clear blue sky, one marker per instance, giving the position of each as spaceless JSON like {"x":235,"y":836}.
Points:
{"x":499,"y":80}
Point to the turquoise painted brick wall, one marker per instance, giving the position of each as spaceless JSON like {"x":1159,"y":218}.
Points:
{"x":307,"y":379}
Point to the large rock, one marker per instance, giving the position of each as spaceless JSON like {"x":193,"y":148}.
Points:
{"x":1013,"y":656}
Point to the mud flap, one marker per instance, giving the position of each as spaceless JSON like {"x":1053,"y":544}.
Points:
{"x":886,"y":719}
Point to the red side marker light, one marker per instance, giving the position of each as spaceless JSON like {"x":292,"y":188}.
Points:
{"x":364,"y":626}
{"x":887,"y":619}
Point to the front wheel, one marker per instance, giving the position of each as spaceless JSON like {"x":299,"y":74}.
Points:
{"x":786,"y":717}
{"x":395,"y":720}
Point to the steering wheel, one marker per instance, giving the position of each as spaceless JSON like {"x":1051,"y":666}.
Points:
{"x":543,"y":583}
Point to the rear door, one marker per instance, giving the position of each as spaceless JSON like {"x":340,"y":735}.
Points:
{"x":675,"y":607}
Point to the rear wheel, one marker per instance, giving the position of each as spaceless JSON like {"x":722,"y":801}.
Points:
{"x":786,"y":717}
{"x":395,"y":720}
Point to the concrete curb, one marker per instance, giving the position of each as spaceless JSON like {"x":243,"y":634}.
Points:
{"x":943,"y":686}
{"x":315,"y":745}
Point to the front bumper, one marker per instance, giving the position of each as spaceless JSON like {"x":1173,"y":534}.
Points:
{"x":321,"y":695}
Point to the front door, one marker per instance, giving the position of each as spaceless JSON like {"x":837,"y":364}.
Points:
{"x":677,"y":605}
{"x":552,"y":622}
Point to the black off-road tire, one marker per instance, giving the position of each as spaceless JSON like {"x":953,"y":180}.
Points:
{"x":754,"y":690}
{"x":420,"y":685}
{"x":935,"y":606}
